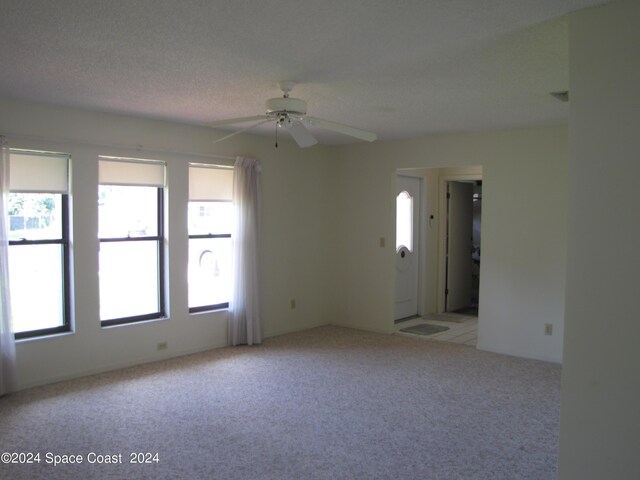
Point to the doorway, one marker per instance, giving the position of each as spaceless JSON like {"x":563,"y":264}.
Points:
{"x":462,"y":246}
{"x":423,"y":265}
{"x":408,"y":202}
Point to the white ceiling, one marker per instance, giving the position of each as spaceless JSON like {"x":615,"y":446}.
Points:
{"x":401,"y":69}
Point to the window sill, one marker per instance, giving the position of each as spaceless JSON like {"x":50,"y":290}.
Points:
{"x":48,"y":336}
{"x":213,"y":310}
{"x":135,"y":322}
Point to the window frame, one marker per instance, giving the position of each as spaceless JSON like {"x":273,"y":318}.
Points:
{"x":217,"y":306}
{"x":66,"y":274}
{"x":209,"y":183}
{"x":160,"y":239}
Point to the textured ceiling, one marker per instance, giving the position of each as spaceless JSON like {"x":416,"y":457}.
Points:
{"x":401,"y":68}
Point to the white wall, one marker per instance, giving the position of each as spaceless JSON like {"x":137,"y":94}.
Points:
{"x":524,"y":232}
{"x":600,"y":411}
{"x":297,"y":234}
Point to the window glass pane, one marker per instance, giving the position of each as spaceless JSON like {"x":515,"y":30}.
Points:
{"x":125,"y":211}
{"x":128,"y":279}
{"x":404,"y":221}
{"x":209,"y":271}
{"x":35,"y":276}
{"x":210,"y":217}
{"x":35,"y":216}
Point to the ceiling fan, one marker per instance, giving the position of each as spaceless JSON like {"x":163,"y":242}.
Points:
{"x":290,"y":114}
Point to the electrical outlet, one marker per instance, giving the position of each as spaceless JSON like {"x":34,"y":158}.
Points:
{"x":293,"y":304}
{"x":548,"y":329}
{"x":162,"y":345}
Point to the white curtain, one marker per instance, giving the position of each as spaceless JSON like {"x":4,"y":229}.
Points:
{"x":7,"y":344}
{"x":245,"y":324}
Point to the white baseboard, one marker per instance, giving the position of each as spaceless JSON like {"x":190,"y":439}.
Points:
{"x":514,"y":353}
{"x":114,"y":366}
{"x":357,"y":327}
{"x":284,"y":331}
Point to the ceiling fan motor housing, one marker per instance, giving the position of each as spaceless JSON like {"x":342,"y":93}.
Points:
{"x":278,"y":106}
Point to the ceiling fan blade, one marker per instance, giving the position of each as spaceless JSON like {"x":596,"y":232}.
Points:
{"x":243,"y":130}
{"x":234,"y":121}
{"x":301,"y":135}
{"x":341,"y":128}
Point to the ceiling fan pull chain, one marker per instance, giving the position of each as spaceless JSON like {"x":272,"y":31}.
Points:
{"x":276,"y":134}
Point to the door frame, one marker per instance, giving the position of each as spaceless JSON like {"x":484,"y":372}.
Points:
{"x":422,"y":231}
{"x":442,"y":235}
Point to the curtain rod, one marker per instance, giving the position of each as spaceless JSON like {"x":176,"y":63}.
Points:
{"x":138,"y":148}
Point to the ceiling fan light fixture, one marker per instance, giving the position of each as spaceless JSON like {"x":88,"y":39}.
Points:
{"x":281,"y":105}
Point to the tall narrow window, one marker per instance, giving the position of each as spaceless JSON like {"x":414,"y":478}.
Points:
{"x":39,"y":260}
{"x":131,"y":233}
{"x":210,"y":225}
{"x":404,"y":221}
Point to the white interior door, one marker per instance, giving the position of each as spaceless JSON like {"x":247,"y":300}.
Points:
{"x":459,"y":245}
{"x":407,"y":246}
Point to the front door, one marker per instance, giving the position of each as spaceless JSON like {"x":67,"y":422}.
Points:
{"x":407,"y":246}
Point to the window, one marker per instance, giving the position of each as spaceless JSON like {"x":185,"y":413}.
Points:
{"x":39,"y":260}
{"x":131,"y":233}
{"x":404,"y":221}
{"x":210,"y":219}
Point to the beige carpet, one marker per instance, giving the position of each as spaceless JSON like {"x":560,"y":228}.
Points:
{"x":327,"y":403}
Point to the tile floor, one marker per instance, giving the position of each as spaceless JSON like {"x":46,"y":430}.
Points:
{"x":462,"y":329}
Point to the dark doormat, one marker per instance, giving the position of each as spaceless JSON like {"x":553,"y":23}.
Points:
{"x":425,"y":329}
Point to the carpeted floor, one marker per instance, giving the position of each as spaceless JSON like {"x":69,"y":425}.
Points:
{"x":327,"y":403}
